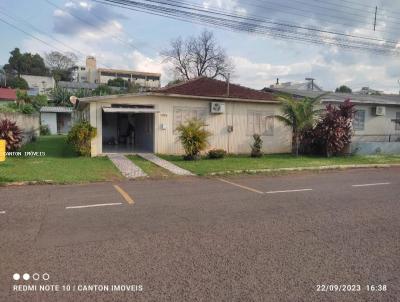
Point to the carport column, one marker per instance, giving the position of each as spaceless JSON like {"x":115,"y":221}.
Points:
{"x":94,"y":122}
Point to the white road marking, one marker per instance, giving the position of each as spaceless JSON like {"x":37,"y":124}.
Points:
{"x":241,"y":186}
{"x":375,"y":184}
{"x":288,"y":191}
{"x":2,"y":212}
{"x":94,"y":205}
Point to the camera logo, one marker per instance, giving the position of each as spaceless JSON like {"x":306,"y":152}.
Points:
{"x":35,"y":276}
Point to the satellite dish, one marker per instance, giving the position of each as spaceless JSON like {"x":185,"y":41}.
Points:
{"x":73,"y":99}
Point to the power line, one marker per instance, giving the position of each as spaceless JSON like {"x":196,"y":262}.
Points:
{"x":90,"y":24}
{"x":189,"y":13}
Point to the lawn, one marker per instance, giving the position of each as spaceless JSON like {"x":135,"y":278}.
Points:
{"x":59,"y":165}
{"x":275,"y":161}
{"x":149,"y":168}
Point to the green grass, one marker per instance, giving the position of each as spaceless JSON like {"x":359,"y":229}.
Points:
{"x":149,"y":168}
{"x":59,"y":165}
{"x":275,"y":161}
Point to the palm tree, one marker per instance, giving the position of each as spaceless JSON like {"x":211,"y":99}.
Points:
{"x":298,"y":115}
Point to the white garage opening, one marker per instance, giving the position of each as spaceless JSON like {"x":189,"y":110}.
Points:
{"x":128,"y":129}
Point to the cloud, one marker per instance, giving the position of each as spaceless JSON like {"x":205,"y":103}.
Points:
{"x":83,"y":17}
{"x":328,"y":74}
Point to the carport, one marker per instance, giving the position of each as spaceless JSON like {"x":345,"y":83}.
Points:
{"x":128,"y":129}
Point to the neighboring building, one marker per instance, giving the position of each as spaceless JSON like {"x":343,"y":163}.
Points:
{"x":146,"y":122}
{"x":309,"y":85}
{"x":91,"y":74}
{"x":369,"y":91}
{"x":7,"y":95}
{"x":375,"y":124}
{"x":58,"y":119}
{"x":38,"y":84}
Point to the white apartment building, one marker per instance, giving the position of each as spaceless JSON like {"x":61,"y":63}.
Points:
{"x":91,"y":74}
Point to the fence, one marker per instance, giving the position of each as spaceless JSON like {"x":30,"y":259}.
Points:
{"x":29,"y":124}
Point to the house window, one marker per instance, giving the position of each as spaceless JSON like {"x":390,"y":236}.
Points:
{"x":183,"y":114}
{"x":359,"y":120}
{"x":261,"y":123}
{"x":397,"y":127}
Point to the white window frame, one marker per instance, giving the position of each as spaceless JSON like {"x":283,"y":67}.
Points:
{"x":357,"y":126}
{"x":260,"y":122}
{"x":397,"y":124}
{"x":188,"y":113}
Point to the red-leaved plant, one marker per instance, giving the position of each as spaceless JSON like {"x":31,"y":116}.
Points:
{"x":333,"y":131}
{"x":11,"y":133}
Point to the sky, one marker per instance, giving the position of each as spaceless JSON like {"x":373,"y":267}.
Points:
{"x":128,"y":39}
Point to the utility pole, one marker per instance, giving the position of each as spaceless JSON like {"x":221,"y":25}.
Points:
{"x":376,"y":11}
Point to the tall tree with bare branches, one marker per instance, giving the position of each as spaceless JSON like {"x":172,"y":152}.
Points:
{"x":198,"y":56}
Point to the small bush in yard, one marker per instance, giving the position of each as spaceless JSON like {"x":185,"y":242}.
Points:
{"x":80,"y":136}
{"x":256,"y":147}
{"x":44,"y":130}
{"x":11,"y":133}
{"x":216,"y":153}
{"x":193,"y":137}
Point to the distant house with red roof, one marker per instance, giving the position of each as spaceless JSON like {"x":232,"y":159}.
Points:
{"x":146,"y":122}
{"x":7,"y":95}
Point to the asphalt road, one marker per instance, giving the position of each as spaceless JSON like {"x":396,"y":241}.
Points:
{"x":253,"y":238}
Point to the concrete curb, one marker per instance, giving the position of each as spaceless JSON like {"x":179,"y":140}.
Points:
{"x":320,"y":168}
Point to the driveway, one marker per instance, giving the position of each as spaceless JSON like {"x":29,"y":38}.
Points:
{"x":253,"y":238}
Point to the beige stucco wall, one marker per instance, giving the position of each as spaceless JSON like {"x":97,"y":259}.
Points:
{"x":165,"y":140}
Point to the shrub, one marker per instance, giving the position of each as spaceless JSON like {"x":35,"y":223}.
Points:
{"x":193,"y":137}
{"x":332,"y":133}
{"x":256,"y":147}
{"x":80,"y":137}
{"x":216,"y":153}
{"x":11,"y":133}
{"x":39,"y":101}
{"x":26,"y":109}
{"x":21,"y":108}
{"x":44,"y":130}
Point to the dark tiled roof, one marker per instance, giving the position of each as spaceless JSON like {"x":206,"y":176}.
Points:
{"x":207,"y":87}
{"x":8,"y":94}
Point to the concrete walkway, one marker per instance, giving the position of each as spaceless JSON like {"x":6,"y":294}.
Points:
{"x":165,"y":164}
{"x":126,"y":166}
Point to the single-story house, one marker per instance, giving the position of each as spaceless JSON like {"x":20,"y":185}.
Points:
{"x":58,"y":119}
{"x":146,"y":122}
{"x":7,"y":95}
{"x":376,"y":123}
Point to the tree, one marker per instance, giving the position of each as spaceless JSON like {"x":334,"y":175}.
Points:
{"x":198,"y":56}
{"x":343,"y":89}
{"x":333,"y":132}
{"x":61,"y":64}
{"x":25,"y":63}
{"x":300,"y":115}
{"x":18,"y":83}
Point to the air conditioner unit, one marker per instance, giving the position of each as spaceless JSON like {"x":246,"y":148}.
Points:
{"x":380,"y":110}
{"x":217,"y":107}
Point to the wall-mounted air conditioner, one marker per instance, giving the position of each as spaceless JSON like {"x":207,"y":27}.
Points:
{"x":380,"y":110}
{"x":217,"y":107}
